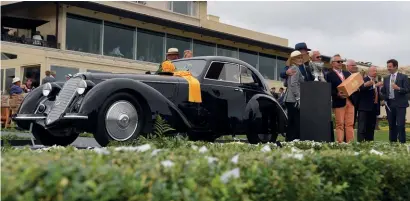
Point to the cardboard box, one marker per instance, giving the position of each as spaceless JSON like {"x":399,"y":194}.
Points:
{"x":351,"y":84}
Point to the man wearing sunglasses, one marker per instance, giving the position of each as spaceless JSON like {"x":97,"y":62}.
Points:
{"x":342,"y":105}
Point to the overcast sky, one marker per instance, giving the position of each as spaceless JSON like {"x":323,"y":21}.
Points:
{"x":364,"y":31}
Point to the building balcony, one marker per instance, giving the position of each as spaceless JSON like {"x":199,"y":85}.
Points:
{"x":30,"y":41}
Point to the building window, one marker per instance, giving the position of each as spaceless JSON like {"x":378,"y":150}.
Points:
{"x":267,"y":66}
{"x":227,"y":51}
{"x":203,"y":49}
{"x":178,"y":42}
{"x":183,"y":7}
{"x":280,"y":66}
{"x":119,"y":40}
{"x":62,"y":72}
{"x":10,"y":74}
{"x":249,"y":57}
{"x":1,"y":80}
{"x":83,"y":34}
{"x":150,"y":46}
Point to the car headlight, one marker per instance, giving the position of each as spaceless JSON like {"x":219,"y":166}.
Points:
{"x":81,"y":87}
{"x":47,"y":89}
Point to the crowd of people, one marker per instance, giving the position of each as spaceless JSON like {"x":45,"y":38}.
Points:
{"x":362,"y":106}
{"x":17,"y":87}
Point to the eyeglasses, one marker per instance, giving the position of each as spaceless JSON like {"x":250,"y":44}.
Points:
{"x":340,"y":62}
{"x":319,"y":57}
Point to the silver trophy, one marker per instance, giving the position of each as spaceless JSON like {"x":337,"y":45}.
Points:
{"x":317,"y":69}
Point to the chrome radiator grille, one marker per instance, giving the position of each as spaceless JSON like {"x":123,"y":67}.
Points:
{"x":63,"y":100}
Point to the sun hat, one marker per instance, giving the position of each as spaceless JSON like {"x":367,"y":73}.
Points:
{"x":302,"y":46}
{"x":172,"y":51}
{"x":16,"y":79}
{"x":292,"y":55}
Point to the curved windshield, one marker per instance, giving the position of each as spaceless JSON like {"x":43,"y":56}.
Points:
{"x":195,"y":66}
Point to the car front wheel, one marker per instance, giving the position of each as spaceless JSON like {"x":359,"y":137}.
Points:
{"x":120,"y":119}
{"x":50,"y":138}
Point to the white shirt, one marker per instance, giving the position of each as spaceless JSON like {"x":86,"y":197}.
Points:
{"x":391,"y":95}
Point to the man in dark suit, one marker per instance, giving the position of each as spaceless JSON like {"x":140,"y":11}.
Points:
{"x":395,"y":89}
{"x":342,"y":105}
{"x":368,"y":106}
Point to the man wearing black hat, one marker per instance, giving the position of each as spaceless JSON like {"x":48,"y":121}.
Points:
{"x":306,"y":72}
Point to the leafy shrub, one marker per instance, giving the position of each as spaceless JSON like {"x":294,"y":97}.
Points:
{"x":182,"y":170}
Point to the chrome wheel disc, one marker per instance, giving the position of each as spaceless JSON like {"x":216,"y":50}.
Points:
{"x":121,"y":120}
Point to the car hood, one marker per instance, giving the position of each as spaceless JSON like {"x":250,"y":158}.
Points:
{"x":98,"y":77}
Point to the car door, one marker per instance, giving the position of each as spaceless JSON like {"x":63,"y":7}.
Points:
{"x":223,"y":99}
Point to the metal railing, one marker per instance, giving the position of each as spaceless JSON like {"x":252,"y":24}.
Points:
{"x":28,"y":41}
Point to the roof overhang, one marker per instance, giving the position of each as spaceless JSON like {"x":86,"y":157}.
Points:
{"x":21,"y":23}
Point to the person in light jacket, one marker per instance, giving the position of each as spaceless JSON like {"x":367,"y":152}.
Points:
{"x":292,"y":97}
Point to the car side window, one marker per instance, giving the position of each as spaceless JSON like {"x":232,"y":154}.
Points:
{"x":223,"y":72}
{"x":247,"y":76}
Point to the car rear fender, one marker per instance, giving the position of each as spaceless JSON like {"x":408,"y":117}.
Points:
{"x":152,"y":102}
{"x":257,"y":107}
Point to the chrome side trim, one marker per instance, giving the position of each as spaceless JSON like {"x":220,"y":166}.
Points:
{"x":73,"y":116}
{"x":28,"y":118}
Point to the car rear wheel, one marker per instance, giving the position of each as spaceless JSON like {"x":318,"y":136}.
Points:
{"x":47,"y":138}
{"x":263,"y":130}
{"x":120,"y":119}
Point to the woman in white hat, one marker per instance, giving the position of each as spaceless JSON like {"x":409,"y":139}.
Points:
{"x":292,"y":98}
{"x":16,"y":87}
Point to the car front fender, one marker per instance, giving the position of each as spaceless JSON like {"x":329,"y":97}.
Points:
{"x":152,"y":101}
{"x":258,"y":105}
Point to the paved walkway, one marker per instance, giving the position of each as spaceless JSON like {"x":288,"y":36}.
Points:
{"x":79,"y":142}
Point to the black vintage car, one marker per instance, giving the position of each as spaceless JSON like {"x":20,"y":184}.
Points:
{"x":120,"y":107}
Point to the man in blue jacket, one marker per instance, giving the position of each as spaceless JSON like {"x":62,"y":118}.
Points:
{"x":306,"y":72}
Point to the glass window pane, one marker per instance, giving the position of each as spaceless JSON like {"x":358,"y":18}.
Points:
{"x":195,"y":66}
{"x":203,"y":48}
{"x":223,"y":72}
{"x":281,"y":64}
{"x":62,"y":72}
{"x":246,"y":76}
{"x":118,"y":40}
{"x":267,"y":66}
{"x":182,"y":7}
{"x":83,"y":34}
{"x":249,"y":57}
{"x":227,"y":51}
{"x":150,"y":46}
{"x":10,"y":73}
{"x":32,"y":73}
{"x":178,"y":42}
{"x":1,"y":80}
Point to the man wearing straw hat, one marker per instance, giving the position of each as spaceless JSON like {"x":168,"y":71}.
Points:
{"x":172,"y":54}
{"x":16,"y":87}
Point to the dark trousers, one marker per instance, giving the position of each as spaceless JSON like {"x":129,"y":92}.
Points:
{"x":367,"y":125}
{"x":293,"y":131}
{"x":397,"y":120}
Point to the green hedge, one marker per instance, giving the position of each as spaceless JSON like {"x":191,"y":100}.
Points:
{"x":297,"y":171}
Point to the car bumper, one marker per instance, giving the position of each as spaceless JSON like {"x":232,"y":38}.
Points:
{"x":35,"y":117}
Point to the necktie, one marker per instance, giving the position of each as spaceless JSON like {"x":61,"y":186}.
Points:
{"x":376,"y":95}
{"x":392,"y":81}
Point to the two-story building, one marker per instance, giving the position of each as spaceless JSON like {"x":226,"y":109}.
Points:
{"x":132,"y":37}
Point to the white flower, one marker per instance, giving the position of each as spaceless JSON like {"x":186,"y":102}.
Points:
{"x":376,"y":152}
{"x":356,"y":153}
{"x":211,"y":159}
{"x":235,"y":159}
{"x":266,"y":148}
{"x":295,"y":150}
{"x":167,"y":163}
{"x":294,"y":155}
{"x":194,"y":147}
{"x":203,"y":149}
{"x":230,"y":174}
{"x":141,"y":148}
{"x":155,"y":152}
{"x":101,"y":151}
